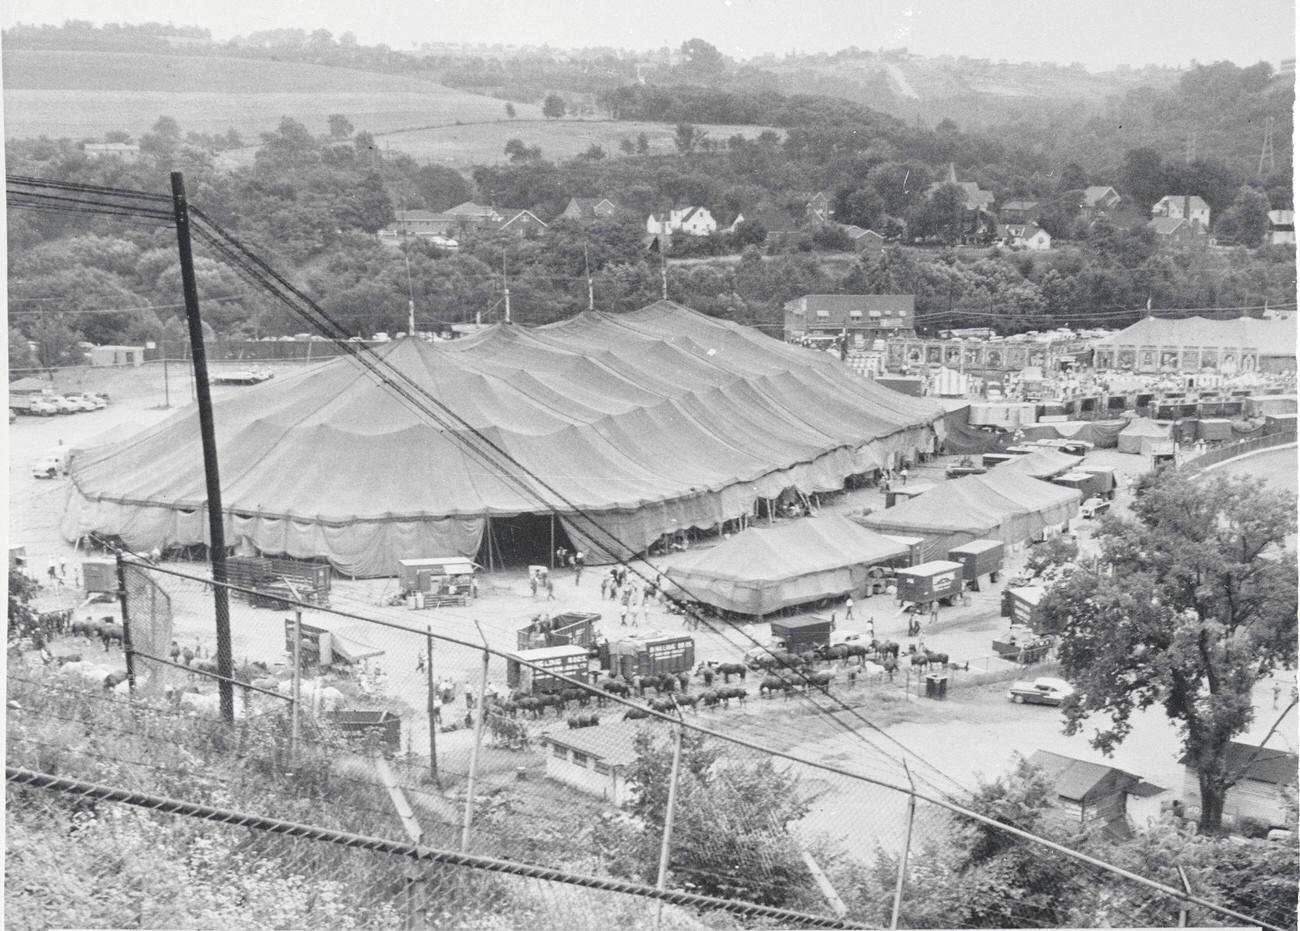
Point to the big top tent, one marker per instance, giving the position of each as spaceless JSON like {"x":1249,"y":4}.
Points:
{"x":627,"y":427}
{"x":764,"y":569}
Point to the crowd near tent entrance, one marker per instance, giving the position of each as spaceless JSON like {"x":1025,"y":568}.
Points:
{"x":647,"y":423}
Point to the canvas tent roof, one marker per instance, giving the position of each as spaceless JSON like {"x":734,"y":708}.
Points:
{"x":999,"y":505}
{"x":1271,"y":337}
{"x":1131,"y":438}
{"x":1046,"y":463}
{"x":654,"y":420}
{"x":764,"y":569}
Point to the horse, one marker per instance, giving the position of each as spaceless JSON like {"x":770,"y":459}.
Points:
{"x":550,"y":700}
{"x":578,"y":695}
{"x":708,"y":698}
{"x":872,"y":670}
{"x":684,"y":680}
{"x":689,"y":701}
{"x":613,"y":686}
{"x":921,"y":658}
{"x":839,"y":651}
{"x":886,"y":647}
{"x":110,"y":634}
{"x":822,"y":679}
{"x":726,"y":694}
{"x":634,"y":714}
{"x":727,"y":670}
{"x":891,"y":665}
{"x":774,"y":684}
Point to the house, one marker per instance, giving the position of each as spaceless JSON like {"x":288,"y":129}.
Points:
{"x":780,"y":224}
{"x":1177,"y":233}
{"x":586,"y":209}
{"x":1025,"y":236}
{"x":976,"y":199}
{"x":1264,"y":793}
{"x":1099,"y":199}
{"x":865,"y":240}
{"x":1183,"y":207}
{"x":1281,"y":227}
{"x":126,"y":151}
{"x":426,"y":225}
{"x":474,"y":213}
{"x":1019,"y":211}
{"x":595,"y":760}
{"x":694,"y":221}
{"x":865,"y":317}
{"x":819,"y":207}
{"x":520,"y":223}
{"x":1090,"y":795}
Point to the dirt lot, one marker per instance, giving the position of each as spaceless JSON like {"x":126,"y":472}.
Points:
{"x":948,"y":744}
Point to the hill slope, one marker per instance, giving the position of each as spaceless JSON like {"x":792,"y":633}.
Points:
{"x":84,"y":94}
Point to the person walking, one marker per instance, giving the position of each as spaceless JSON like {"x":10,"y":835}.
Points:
{"x":1277,"y":692}
{"x":63,"y":567}
{"x":550,"y":589}
{"x":848,"y":608}
{"x":419,"y":661}
{"x":903,"y":473}
{"x":53,"y":571}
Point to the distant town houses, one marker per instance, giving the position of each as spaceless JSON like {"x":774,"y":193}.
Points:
{"x":819,"y":207}
{"x":1029,"y":236}
{"x":693,"y":221}
{"x":1281,"y":227}
{"x":865,"y":240}
{"x":863,"y":317}
{"x":444,"y":229}
{"x":126,"y":151}
{"x":1183,"y":207}
{"x":1099,"y":199}
{"x":779,"y":224}
{"x":587,"y":209}
{"x":1177,"y":233}
{"x":1019,"y":211}
{"x":977,"y":199}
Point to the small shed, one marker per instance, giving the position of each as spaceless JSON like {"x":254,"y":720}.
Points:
{"x":596,"y":760}
{"x":1087,"y":794}
{"x":435,"y":573}
{"x":117,"y":355}
{"x":1267,"y":782}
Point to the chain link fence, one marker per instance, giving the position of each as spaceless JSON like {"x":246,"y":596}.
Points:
{"x":785,"y":801}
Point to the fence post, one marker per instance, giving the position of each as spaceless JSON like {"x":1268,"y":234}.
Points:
{"x":473,"y":753}
{"x":122,"y":598}
{"x":1182,"y":905}
{"x":295,"y":732}
{"x":907,"y":845}
{"x":433,"y":721}
{"x":662,"y":882}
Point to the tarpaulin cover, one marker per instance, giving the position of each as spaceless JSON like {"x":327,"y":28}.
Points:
{"x":1131,"y":437}
{"x":962,"y":439}
{"x":999,"y":505}
{"x":650,"y":421}
{"x":1214,"y":430}
{"x":1247,"y":429}
{"x":1103,"y":434}
{"x":764,"y":569}
{"x":1046,"y":463}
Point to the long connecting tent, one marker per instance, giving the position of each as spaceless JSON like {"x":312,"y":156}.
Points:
{"x":624,"y":427}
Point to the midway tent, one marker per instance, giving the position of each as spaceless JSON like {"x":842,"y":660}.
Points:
{"x":999,"y":505}
{"x":765,"y":569}
{"x":1139,"y":436}
{"x":1045,"y":463}
{"x":626,"y":427}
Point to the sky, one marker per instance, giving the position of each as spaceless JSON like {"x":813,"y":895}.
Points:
{"x":1098,"y":33}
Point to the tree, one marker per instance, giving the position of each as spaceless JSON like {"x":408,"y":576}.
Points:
{"x":642,"y":144}
{"x":163,"y":141}
{"x":340,"y":126}
{"x":553,"y":107}
{"x":520,"y":153}
{"x":594,"y":153}
{"x":1246,"y":221}
{"x":687,"y":137}
{"x":510,"y":110}
{"x":735,"y":814}
{"x":1194,"y":604}
{"x":702,"y":59}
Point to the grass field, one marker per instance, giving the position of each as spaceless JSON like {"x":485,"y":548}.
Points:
{"x":86,"y":94}
{"x":82,"y":95}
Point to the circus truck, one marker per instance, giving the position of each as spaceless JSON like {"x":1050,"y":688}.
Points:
{"x":652,"y":653}
{"x":534,"y":671}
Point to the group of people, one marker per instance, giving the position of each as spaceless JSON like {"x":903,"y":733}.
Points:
{"x":633,"y":595}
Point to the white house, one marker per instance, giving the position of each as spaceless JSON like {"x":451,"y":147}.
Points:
{"x":126,"y":151}
{"x":1268,"y":780}
{"x":1026,"y":236}
{"x":694,"y":221}
{"x":1183,"y":207}
{"x":1281,"y":227}
{"x":596,"y":759}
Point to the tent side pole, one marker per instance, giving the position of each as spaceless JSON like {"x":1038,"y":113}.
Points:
{"x":550,"y":557}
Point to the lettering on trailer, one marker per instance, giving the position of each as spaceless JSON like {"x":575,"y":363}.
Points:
{"x":943,"y":581}
{"x":667,"y":650}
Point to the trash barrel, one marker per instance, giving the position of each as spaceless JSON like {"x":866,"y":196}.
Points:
{"x":936,"y":687}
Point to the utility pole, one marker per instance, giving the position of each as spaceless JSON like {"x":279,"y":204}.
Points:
{"x":1266,"y":153}
{"x":591,"y":295}
{"x":410,"y":304}
{"x":663,"y":267}
{"x":207,"y":432}
{"x":505,"y":283}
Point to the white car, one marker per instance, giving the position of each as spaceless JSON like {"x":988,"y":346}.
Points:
{"x":53,"y":464}
{"x":63,"y":406}
{"x":87,"y":401}
{"x":42,"y":407}
{"x":78,"y":403}
{"x":1044,"y":690}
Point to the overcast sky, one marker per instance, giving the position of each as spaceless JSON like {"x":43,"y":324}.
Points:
{"x":1098,"y":33}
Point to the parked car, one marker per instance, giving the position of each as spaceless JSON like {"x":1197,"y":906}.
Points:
{"x":42,"y":407}
{"x":1042,"y":691}
{"x":78,"y":403}
{"x":52,"y":464}
{"x":88,"y":401}
{"x":62,"y":405}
